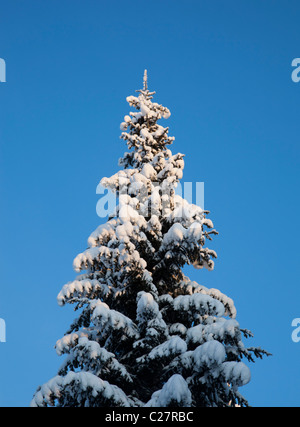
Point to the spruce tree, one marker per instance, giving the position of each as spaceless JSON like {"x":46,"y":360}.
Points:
{"x":146,"y":334}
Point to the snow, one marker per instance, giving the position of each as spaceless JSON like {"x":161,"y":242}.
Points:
{"x":211,"y":353}
{"x":236,"y":373}
{"x":173,"y":347}
{"x":191,"y":287}
{"x":178,"y":328}
{"x":175,"y":235}
{"x":96,"y":359}
{"x":61,"y":387}
{"x":124,"y":231}
{"x":79,"y":289}
{"x":127,"y":213}
{"x":220,"y":329}
{"x":146,"y":303}
{"x":69,"y":341}
{"x":148,"y":171}
{"x":103,"y":234}
{"x":105,"y":319}
{"x":175,"y":391}
{"x":87,"y":258}
{"x":202,"y":304}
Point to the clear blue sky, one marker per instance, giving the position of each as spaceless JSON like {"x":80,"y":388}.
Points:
{"x":224,"y":70}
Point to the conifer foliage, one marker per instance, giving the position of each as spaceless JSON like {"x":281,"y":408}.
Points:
{"x":146,"y":334}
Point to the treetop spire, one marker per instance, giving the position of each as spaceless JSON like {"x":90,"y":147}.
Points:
{"x":145,"y":80}
{"x":145,"y":91}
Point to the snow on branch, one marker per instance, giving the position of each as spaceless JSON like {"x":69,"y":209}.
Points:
{"x":199,"y":304}
{"x":89,"y":356}
{"x":175,"y":393}
{"x":82,"y":389}
{"x":110,"y":320}
{"x":171,"y":348}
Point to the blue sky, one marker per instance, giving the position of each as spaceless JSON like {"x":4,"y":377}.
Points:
{"x":224,"y":71}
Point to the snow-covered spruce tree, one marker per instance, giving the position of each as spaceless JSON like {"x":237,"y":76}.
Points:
{"x":146,"y":334}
